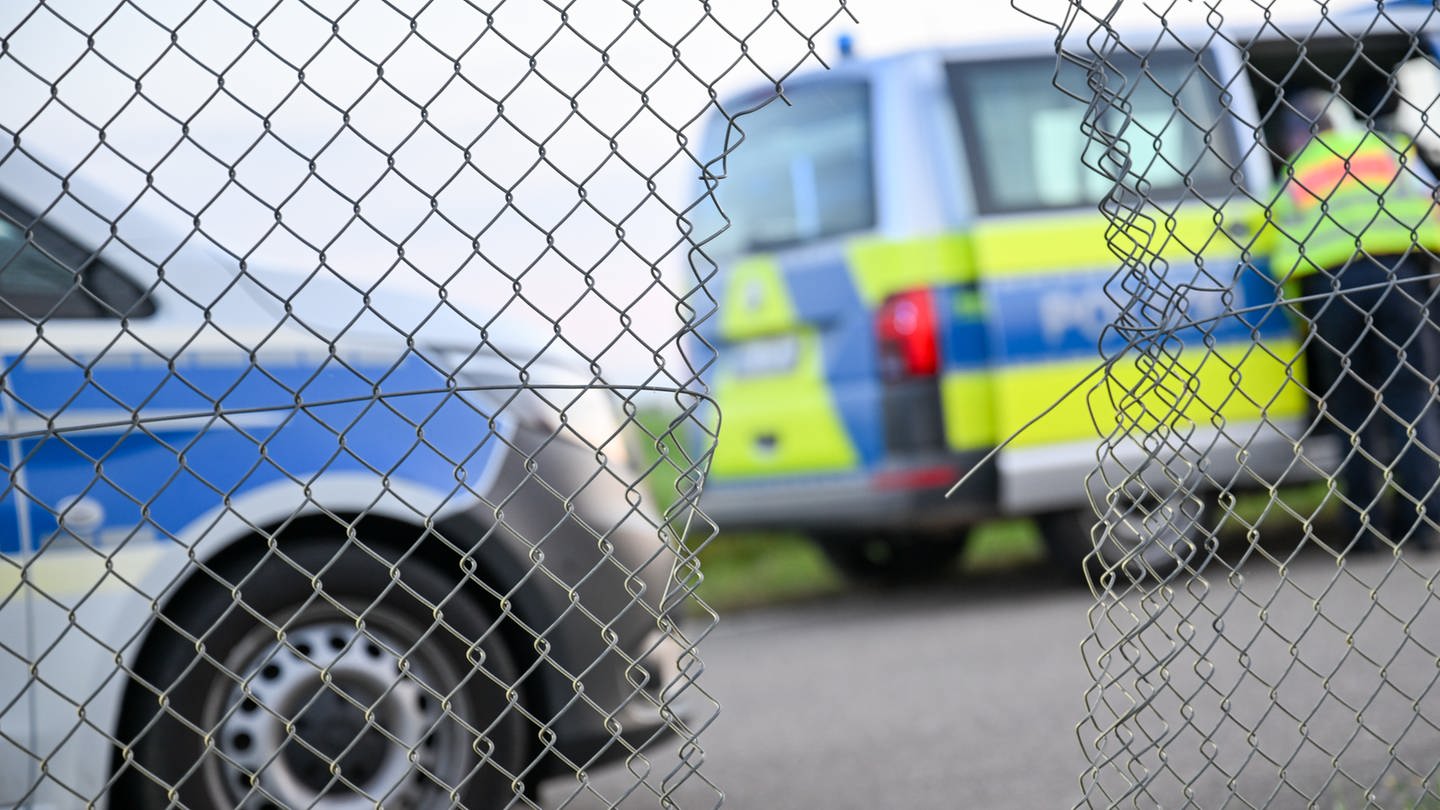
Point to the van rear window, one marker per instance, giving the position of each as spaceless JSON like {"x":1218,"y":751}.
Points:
{"x":1025,"y":144}
{"x":803,"y":172}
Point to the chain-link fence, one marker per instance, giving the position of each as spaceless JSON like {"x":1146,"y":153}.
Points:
{"x":347,"y":353}
{"x":357,"y":361}
{"x":1229,"y":667}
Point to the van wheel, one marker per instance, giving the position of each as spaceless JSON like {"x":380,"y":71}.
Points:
{"x":324,"y":683}
{"x":889,"y":560}
{"x":1150,"y":540}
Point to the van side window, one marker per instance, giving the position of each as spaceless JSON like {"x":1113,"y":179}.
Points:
{"x":1025,"y":143}
{"x":803,"y":172}
{"x":48,"y":275}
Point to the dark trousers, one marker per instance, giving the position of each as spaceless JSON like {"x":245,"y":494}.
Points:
{"x":1378,"y":391}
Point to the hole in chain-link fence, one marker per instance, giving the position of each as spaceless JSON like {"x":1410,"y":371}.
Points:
{"x":360,"y":378}
{"x":1264,"y":631}
{"x":351,"y":405}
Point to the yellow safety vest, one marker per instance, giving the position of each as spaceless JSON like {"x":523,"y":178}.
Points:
{"x":1345,"y":194}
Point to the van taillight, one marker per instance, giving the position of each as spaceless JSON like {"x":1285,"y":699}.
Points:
{"x":906,"y":329}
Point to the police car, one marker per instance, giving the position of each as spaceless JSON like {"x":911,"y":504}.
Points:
{"x":258,"y":550}
{"x":916,"y":269}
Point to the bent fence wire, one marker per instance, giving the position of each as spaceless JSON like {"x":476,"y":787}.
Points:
{"x":351,"y":412}
{"x":353,"y":416}
{"x":1264,"y":634}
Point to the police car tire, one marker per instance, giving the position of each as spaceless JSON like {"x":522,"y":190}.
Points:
{"x":1069,"y":539}
{"x":463,"y":662}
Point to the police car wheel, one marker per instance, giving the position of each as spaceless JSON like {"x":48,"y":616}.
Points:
{"x":325,"y":683}
{"x":1149,"y":541}
{"x":887,"y":560}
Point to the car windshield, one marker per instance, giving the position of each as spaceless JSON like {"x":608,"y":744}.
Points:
{"x":1026,"y":144}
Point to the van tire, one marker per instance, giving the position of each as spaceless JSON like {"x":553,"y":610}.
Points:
{"x":1179,"y":537}
{"x":213,"y":741}
{"x":889,"y":560}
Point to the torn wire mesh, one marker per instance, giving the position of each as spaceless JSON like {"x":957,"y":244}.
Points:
{"x":351,"y":409}
{"x":1264,"y":632}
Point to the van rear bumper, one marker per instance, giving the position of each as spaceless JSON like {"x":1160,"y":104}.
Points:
{"x":1242,"y":456}
{"x":906,"y":495}
{"x":1022,"y":482}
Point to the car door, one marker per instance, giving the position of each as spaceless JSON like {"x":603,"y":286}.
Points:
{"x":57,"y":303}
{"x":70,"y":359}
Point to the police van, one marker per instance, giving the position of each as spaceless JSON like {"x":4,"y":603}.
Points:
{"x":257,"y":549}
{"x":916,"y":269}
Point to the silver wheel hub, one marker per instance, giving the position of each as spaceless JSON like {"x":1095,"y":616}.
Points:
{"x":332,"y":718}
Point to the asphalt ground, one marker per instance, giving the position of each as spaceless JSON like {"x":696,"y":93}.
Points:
{"x":1315,"y":683}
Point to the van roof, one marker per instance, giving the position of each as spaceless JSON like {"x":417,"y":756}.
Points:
{"x":1398,"y":17}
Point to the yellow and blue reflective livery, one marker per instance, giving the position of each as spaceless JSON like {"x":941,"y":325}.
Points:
{"x":917,"y":270}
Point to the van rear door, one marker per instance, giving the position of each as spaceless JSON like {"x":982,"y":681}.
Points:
{"x":797,"y":368}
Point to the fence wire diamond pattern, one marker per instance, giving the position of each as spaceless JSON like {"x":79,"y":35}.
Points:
{"x":352,"y":410}
{"x":1248,"y":674}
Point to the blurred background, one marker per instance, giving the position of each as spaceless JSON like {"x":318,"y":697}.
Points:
{"x":949,"y":640}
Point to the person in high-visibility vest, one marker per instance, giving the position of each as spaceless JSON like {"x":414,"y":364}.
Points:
{"x":1353,"y":221}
